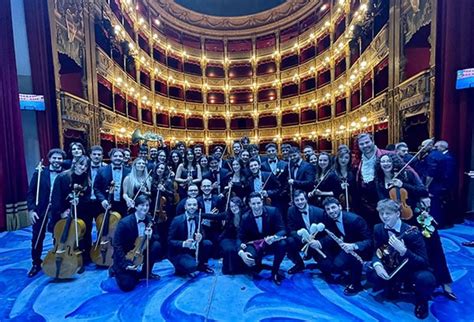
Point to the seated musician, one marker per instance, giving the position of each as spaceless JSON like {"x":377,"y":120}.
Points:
{"x":301,"y":216}
{"x":183,"y":237}
{"x":127,"y":274}
{"x":345,"y":255}
{"x":260,"y":231}
{"x":410,"y":246}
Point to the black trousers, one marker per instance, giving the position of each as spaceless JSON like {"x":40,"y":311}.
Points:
{"x":231,"y":261}
{"x":38,"y":235}
{"x":128,"y":280}
{"x":437,"y":259}
{"x":340,"y":262}
{"x":213,"y":233}
{"x":88,"y":214}
{"x":294,"y":247}
{"x":185,"y":262}
{"x":423,"y":280}
{"x":278,"y":249}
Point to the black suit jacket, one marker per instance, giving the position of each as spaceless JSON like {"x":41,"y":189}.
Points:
{"x":44,"y":192}
{"x":296,"y":222}
{"x":305,"y":177}
{"x":355,"y":229}
{"x":223,"y":175}
{"x":272,"y":187}
{"x":125,"y":236}
{"x":272,"y":224}
{"x":178,"y":232}
{"x":282,"y":167}
{"x":103,"y":180}
{"x":414,"y":242}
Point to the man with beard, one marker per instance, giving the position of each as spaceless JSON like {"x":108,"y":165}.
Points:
{"x":302,"y":175}
{"x":37,"y":210}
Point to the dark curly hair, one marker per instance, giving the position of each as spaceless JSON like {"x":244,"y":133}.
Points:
{"x":397,"y":165}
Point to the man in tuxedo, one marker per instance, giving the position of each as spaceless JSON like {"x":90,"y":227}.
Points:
{"x":301,"y":216}
{"x":272,"y":164}
{"x":198,"y":151}
{"x":302,"y":175}
{"x":355,"y":234}
{"x":153,"y":160}
{"x":308,"y":151}
{"x":258,"y":179}
{"x":37,"y":211}
{"x":210,"y":206}
{"x":285,"y":152}
{"x":115,"y":172}
{"x":217,"y":175}
{"x":412,"y":247}
{"x":192,"y":192}
{"x":183,"y":239}
{"x":127,"y":273}
{"x":127,"y":158}
{"x":259,"y":232}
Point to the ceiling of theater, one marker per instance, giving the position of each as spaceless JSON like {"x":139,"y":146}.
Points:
{"x":229,"y":8}
{"x":234,"y":17}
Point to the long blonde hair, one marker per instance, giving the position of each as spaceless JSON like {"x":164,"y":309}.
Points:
{"x":136,"y":180}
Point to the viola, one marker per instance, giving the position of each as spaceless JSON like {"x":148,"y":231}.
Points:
{"x":135,"y":255}
{"x":159,"y":211}
{"x":401,"y":195}
{"x":101,"y":253}
{"x":65,"y":259}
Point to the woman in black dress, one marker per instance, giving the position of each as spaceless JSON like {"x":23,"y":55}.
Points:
{"x":327,"y":183}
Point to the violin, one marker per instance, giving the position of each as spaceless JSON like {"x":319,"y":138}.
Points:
{"x":135,"y":255}
{"x":160,"y":202}
{"x":401,"y":195}
{"x":65,"y":259}
{"x":101,"y":253}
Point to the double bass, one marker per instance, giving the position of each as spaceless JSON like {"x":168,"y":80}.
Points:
{"x":101,"y":253}
{"x":65,"y":259}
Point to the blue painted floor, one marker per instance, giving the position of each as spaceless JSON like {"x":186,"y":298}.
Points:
{"x":93,"y":296}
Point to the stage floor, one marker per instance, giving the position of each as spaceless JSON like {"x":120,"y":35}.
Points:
{"x":93,"y":296}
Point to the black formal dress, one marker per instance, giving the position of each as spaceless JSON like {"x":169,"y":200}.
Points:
{"x":416,"y":271}
{"x":296,"y":222}
{"x":182,"y":258}
{"x":272,"y":224}
{"x":327,"y":183}
{"x":337,"y":261}
{"x":124,"y":241}
{"x":229,"y":243}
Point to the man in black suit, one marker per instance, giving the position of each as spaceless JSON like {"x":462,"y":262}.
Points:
{"x":127,"y":273}
{"x":184,"y":238}
{"x":115,"y":172}
{"x":192,"y":192}
{"x":258,"y":179}
{"x":355,"y":236}
{"x":271,"y":164}
{"x":259,"y":231}
{"x":302,"y":175}
{"x":301,"y":215}
{"x":218,"y":176}
{"x":412,"y":247}
{"x":37,"y":212}
{"x":210,"y":206}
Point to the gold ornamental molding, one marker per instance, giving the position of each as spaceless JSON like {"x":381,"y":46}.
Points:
{"x":242,"y":26}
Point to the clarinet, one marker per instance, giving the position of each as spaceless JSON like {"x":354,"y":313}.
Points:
{"x":339,"y":241}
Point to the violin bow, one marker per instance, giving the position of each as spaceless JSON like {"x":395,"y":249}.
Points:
{"x":199,"y":231}
{"x":410,"y":161}
{"x":147,"y":258}
{"x":141,"y":186}
{"x":40,"y":170}
{"x":75,"y":214}
{"x":228,"y":198}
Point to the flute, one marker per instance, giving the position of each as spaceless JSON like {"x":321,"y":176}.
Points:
{"x":198,"y":232}
{"x":339,"y":241}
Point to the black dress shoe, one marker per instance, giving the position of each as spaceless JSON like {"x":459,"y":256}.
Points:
{"x":111,"y":272}
{"x":35,"y":269}
{"x":276,"y":278}
{"x":296,"y":269}
{"x":154,"y":276}
{"x":450,"y":295}
{"x":81,"y":270}
{"x":352,"y":289}
{"x":421,"y":310}
{"x":206,"y":269}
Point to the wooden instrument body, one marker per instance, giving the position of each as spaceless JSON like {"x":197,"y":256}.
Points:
{"x":102,"y":254}
{"x":65,"y":259}
{"x":390,"y":258}
{"x":135,"y":255}
{"x":401,"y":195}
{"x":160,"y":211}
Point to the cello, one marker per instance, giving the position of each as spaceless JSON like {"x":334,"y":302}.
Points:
{"x":65,"y":259}
{"x":101,"y":253}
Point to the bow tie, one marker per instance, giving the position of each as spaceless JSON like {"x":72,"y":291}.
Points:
{"x":271,"y":161}
{"x":391,"y":230}
{"x":141,"y":221}
{"x":259,"y":216}
{"x":190,"y":218}
{"x":97,"y":167}
{"x":207,"y":199}
{"x":116,"y":168}
{"x":255,"y":175}
{"x":55,"y":171}
{"x":304,"y":212}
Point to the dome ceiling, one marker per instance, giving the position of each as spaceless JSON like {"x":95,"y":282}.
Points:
{"x":229,"y":8}
{"x":234,"y":17}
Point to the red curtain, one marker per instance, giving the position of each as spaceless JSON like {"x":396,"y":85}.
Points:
{"x":12,"y":160}
{"x":42,"y":72}
{"x":453,"y":110}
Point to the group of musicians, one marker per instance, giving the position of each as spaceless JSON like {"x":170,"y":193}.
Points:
{"x":382,"y":210}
